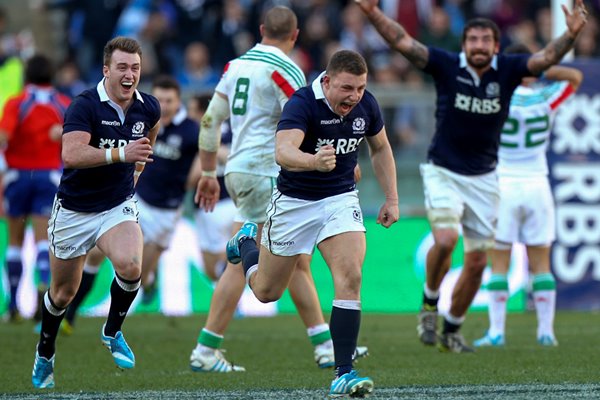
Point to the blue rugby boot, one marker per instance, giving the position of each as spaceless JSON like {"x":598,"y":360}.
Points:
{"x":487,"y":340}
{"x":350,"y":384}
{"x":248,"y":230}
{"x":547,"y":340}
{"x":42,"y":375}
{"x":119,"y":349}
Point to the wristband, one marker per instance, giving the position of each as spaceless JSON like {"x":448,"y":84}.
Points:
{"x":108,"y":156}
{"x":210,"y":174}
{"x":137,"y":173}
{"x":122,"y":154}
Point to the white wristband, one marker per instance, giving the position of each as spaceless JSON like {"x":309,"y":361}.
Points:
{"x":137,"y":173}
{"x":108,"y":156}
{"x":122,"y":154}
{"x":210,"y":174}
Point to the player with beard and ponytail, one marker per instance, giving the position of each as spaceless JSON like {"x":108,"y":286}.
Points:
{"x":474,"y":89}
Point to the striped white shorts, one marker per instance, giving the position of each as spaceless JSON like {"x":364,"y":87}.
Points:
{"x":296,"y":226}
{"x":72,"y":234}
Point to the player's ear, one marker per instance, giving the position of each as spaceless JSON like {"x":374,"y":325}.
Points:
{"x":105,"y":71}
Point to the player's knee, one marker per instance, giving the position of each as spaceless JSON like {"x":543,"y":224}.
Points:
{"x":348,"y":285}
{"x":267,"y":295}
{"x":475,"y":263}
{"x":128,"y":267}
{"x":63,"y":295}
{"x":446,"y":242}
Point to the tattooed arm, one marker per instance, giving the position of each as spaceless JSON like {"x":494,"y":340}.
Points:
{"x":556,"y":49}
{"x":395,"y":34}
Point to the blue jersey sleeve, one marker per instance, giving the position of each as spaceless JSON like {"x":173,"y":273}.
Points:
{"x":376,"y":118}
{"x":515,"y":65}
{"x":438,"y":62}
{"x":296,"y":113}
{"x":79,"y":116}
{"x":154,"y":106}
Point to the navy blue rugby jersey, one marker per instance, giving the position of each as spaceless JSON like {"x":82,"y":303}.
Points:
{"x":470,"y":111}
{"x":102,"y":188}
{"x":162,"y":184}
{"x":308,"y":111}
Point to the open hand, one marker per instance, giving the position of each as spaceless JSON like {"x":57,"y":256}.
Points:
{"x":207,"y":193}
{"x":576,"y":20}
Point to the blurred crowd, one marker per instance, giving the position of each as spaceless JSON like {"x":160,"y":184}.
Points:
{"x":194,"y":39}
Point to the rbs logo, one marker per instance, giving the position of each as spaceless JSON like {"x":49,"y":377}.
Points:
{"x":342,"y":146}
{"x":476,"y":105}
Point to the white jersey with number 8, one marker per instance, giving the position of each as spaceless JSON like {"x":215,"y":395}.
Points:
{"x":257,"y":86}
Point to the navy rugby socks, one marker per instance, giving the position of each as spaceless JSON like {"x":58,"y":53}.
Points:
{"x":122,"y":294}
{"x":249,"y":252}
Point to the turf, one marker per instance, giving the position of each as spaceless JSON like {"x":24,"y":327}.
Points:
{"x":279,"y":362}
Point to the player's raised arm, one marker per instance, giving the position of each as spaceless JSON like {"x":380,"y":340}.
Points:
{"x":557,"y":48}
{"x":395,"y":34}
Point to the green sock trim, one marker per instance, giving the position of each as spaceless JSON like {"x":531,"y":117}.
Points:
{"x":498,"y":282}
{"x":320,"y":338}
{"x":543,"y":282}
{"x":209,"y":339}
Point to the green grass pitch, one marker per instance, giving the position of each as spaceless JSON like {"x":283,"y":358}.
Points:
{"x":279,"y":361}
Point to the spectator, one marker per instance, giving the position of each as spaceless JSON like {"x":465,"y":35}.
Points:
{"x":197,"y":73}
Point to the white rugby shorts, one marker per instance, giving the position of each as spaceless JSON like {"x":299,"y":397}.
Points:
{"x":214,"y":228}
{"x":526,"y":212}
{"x":452,"y":199}
{"x":158,"y":224}
{"x":72,"y":234}
{"x":296,"y":226}
{"x":251,"y":195}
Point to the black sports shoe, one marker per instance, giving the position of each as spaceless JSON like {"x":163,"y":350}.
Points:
{"x":427,"y":326}
{"x":453,"y":342}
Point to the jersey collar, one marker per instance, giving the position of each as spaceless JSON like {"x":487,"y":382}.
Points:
{"x":104,"y":98}
{"x":179,"y":117}
{"x":317,"y":89}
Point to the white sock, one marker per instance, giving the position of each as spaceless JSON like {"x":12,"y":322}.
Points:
{"x":545,"y":301}
{"x":497,"y":312}
{"x":205,"y":350}
{"x":325,"y":345}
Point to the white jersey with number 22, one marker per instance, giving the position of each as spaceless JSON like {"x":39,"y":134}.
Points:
{"x":526,"y":131}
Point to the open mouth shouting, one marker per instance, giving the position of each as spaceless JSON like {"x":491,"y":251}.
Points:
{"x":127,"y":86}
{"x":346,"y":107}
